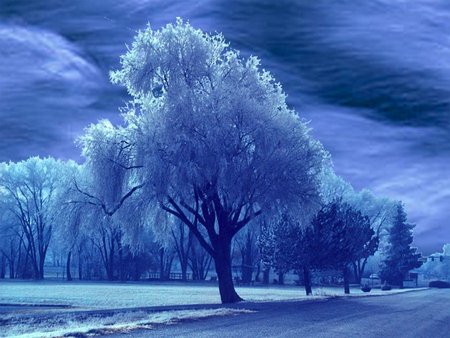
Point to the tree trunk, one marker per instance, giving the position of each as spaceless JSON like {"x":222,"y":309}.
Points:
{"x":80,"y":265}
{"x":226,"y":286}
{"x":281,"y":278}
{"x":69,"y":275}
{"x":194,"y":269}
{"x":346,"y":281}
{"x":3,"y":267}
{"x":266,"y":276}
{"x":122,"y":268}
{"x":247,"y":260}
{"x":223,"y":268}
{"x":168,"y":265}
{"x":358,"y":268}
{"x":307,"y":277}
{"x":161,"y":265}
{"x":24,"y":266}
{"x":400,"y":281}
{"x":258,"y":271}
{"x":183,"y":249}
{"x":11,"y":269}
{"x":41,"y":268}
{"x":184,"y":267}
{"x":210,"y":212}
{"x":356,"y":273}
{"x":363,"y":266}
{"x":110,"y":267}
{"x":34,"y":262}
{"x":205,"y":267}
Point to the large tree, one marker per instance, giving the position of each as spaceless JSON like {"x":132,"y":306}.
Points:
{"x":401,"y":257}
{"x":214,"y":135}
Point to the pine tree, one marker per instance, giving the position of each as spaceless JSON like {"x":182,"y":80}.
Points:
{"x":401,"y":257}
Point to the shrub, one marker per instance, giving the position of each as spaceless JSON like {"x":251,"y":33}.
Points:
{"x":366,"y":288}
{"x":439,"y":284}
{"x":386,"y":287}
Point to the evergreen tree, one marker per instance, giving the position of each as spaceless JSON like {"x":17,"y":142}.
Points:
{"x":401,"y":257}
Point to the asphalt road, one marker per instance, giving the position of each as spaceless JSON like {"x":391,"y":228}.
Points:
{"x":421,"y":314}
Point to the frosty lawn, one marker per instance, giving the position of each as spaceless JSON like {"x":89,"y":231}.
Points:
{"x":93,"y":296}
{"x":115,"y":296}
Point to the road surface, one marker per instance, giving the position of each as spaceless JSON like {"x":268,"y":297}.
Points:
{"x":421,"y":314}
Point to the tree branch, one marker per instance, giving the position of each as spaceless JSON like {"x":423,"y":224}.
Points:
{"x":181,"y":215}
{"x":244,"y":222}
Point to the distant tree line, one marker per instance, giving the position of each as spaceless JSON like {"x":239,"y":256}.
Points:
{"x":45,"y":207}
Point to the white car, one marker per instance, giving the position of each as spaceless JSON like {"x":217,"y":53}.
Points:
{"x":374,"y":278}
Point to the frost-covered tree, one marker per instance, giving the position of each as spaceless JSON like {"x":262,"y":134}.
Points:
{"x":32,"y":190}
{"x":401,"y":257}
{"x":287,"y":245}
{"x":217,"y":143}
{"x":381,"y":213}
{"x":68,"y":216}
{"x":109,"y":185}
{"x":277,"y":242}
{"x":342,"y":235}
{"x":437,"y":265}
{"x":379,"y":210}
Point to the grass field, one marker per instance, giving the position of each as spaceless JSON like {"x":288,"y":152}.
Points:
{"x":104,"y":295}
